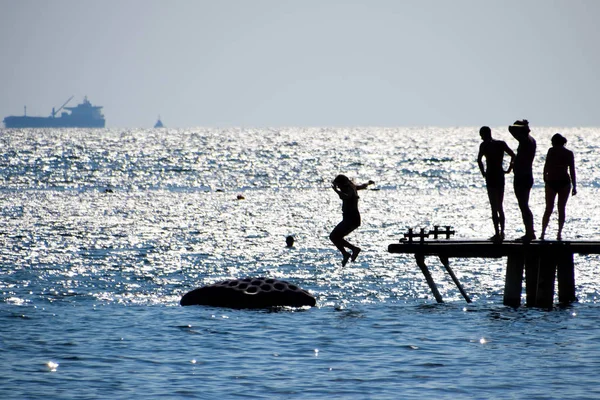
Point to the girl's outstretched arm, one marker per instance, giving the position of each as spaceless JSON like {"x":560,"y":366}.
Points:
{"x":364,"y":185}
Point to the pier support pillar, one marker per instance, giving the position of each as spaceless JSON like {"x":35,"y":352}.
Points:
{"x":421,"y":263}
{"x":532,"y":271}
{"x":544,"y":297}
{"x":513,"y":284}
{"x":462,"y":291}
{"x":566,"y":278}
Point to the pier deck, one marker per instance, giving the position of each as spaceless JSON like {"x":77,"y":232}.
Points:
{"x":542,"y":261}
{"x":489,"y":249}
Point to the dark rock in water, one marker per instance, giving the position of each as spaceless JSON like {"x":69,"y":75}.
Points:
{"x":249,"y":293}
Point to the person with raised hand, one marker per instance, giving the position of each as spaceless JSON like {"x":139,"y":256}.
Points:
{"x":523,"y":173}
{"x":348,"y":192}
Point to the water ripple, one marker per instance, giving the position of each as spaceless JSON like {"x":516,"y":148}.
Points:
{"x":101,"y":233}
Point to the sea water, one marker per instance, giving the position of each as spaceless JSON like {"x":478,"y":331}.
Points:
{"x":103,"y":231}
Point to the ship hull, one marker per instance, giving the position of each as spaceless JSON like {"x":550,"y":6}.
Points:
{"x":50,"y":122}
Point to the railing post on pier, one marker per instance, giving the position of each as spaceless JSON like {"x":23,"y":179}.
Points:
{"x":566,"y":278}
{"x":513,"y":284}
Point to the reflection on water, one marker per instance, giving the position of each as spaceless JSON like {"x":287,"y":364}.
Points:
{"x":102,"y":232}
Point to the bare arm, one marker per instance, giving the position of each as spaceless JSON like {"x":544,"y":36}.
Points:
{"x":511,"y":153}
{"x":343,"y":194}
{"x":364,"y":185}
{"x":547,"y":164}
{"x":480,"y":160}
{"x":572,"y":172}
{"x":336,"y":189}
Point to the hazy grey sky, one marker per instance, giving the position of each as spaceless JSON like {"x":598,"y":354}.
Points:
{"x":305,"y":63}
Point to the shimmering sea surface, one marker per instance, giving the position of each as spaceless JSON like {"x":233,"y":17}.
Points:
{"x":103,"y":231}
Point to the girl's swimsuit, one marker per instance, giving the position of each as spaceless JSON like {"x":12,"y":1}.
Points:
{"x":558,"y":185}
{"x":350,"y":216}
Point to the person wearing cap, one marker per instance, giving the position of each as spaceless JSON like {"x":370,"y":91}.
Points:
{"x":523,"y":173}
{"x":559,"y":175}
{"x":493,"y":150}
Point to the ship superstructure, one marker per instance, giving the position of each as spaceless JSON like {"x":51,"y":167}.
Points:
{"x":84,"y":115}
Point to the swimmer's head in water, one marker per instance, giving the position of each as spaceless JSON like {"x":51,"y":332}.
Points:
{"x":289,"y":241}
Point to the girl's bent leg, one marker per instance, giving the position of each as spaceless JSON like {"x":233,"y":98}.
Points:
{"x":337,"y":237}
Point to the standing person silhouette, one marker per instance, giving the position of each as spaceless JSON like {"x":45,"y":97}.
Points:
{"x":523,"y":170}
{"x":559,"y":174}
{"x":493,"y":151}
{"x":348,"y":192}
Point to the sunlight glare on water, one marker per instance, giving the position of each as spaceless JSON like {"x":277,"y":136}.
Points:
{"x":103,"y":231}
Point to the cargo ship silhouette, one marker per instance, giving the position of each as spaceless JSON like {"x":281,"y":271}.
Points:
{"x":84,"y":115}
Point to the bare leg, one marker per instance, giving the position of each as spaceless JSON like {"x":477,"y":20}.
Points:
{"x":501,"y":218}
{"x":522,"y":193}
{"x":339,"y":241}
{"x":337,"y":237}
{"x":496,"y":222}
{"x":355,"y":252}
{"x":495,"y":197}
{"x":550,"y":197}
{"x":345,"y":259}
{"x":563,"y":196}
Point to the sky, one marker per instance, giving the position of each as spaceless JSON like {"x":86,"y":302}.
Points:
{"x":284,"y":63}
